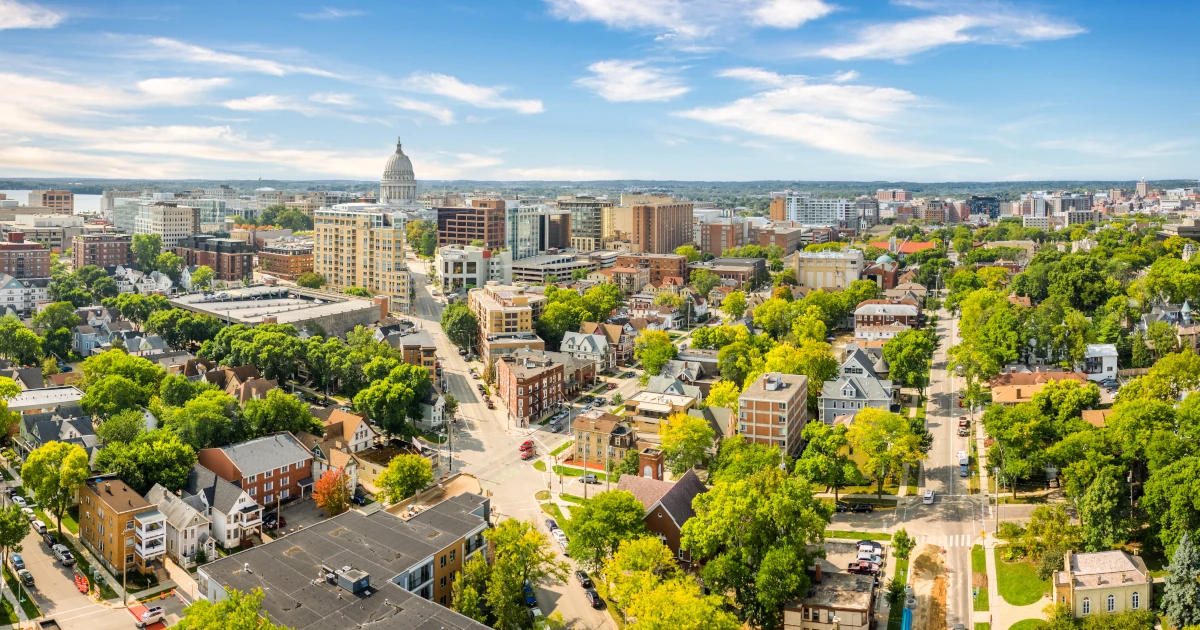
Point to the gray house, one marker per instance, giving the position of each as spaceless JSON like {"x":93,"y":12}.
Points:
{"x":862,"y":382}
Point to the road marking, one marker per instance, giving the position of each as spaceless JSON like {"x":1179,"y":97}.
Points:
{"x":947,"y":540}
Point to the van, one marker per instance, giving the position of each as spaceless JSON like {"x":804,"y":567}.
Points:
{"x":963,"y":467}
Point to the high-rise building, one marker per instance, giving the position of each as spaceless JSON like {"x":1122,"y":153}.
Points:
{"x":660,"y":227}
{"x":721,"y":234}
{"x":466,"y":267}
{"x":1143,"y":188}
{"x":362,"y":245}
{"x":534,"y":227}
{"x":867,"y":210}
{"x":773,"y":411}
{"x":399,"y":184}
{"x":587,"y":220}
{"x":482,"y":221}
{"x":169,"y":219}
{"x":984,"y":206}
{"x":106,"y":250}
{"x":108,"y":196}
{"x":1068,"y":202}
{"x":57,"y":200}
{"x":808,"y":210}
{"x":24,"y":260}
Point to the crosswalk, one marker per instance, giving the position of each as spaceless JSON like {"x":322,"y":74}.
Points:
{"x":947,"y":541}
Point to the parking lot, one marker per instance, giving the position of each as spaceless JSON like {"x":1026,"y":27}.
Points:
{"x":300,"y":514}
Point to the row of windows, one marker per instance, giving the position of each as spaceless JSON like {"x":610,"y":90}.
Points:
{"x":1135,"y":602}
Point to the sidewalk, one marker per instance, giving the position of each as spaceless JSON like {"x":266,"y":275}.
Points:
{"x":1004,"y":614}
{"x":12,"y":600}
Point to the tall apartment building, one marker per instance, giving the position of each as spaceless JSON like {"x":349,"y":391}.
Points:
{"x":773,"y":411}
{"x":1069,"y":202}
{"x":661,"y":227}
{"x":231,"y":260}
{"x":466,"y":267}
{"x":120,"y":527}
{"x":587,"y":220}
{"x":169,"y":219}
{"x":109,"y":197}
{"x":789,"y":239}
{"x":987,"y":206}
{"x":506,"y":317}
{"x":811,"y":211}
{"x":24,"y":260}
{"x":829,"y":270}
{"x":105,"y":250}
{"x":61,"y":201}
{"x":660,"y":265}
{"x":483,"y":221}
{"x":893,"y":194}
{"x":362,"y":245}
{"x":718,"y":235}
{"x":1143,"y":188}
{"x":533,"y":227}
{"x":931,"y":210}
{"x":286,"y":258}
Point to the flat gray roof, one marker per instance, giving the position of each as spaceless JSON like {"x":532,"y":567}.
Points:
{"x":249,"y":305}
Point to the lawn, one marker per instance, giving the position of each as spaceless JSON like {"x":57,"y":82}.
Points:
{"x":979,"y":566}
{"x":896,"y":612}
{"x":829,"y":533}
{"x":1028,"y":624}
{"x":983,"y":626}
{"x":562,"y":447}
{"x":542,"y":495}
{"x":539,"y":466}
{"x":4,"y":473}
{"x":553,"y":510}
{"x":914,"y":475}
{"x":577,"y":472}
{"x":30,"y":608}
{"x":1018,"y":582}
{"x":572,"y":498}
{"x":68,"y":522}
{"x":891,"y":487}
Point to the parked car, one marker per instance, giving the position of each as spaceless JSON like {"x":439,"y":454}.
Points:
{"x":39,"y":527}
{"x":530,"y":595}
{"x":63,"y":555}
{"x":551,"y":524}
{"x":358,"y":499}
{"x":862,"y":508}
{"x":862,"y":567}
{"x":610,"y":386}
{"x":490,"y":405}
{"x":527,"y":445}
{"x":584,"y":580}
{"x":274,"y":521}
{"x":50,"y":538}
{"x":593,"y":598}
{"x":16,"y":561}
{"x":871,"y":546}
{"x":536,"y":614}
{"x":841,"y":506}
{"x":18,"y":499}
{"x":29,"y":514}
{"x":589,"y":478}
{"x":963,"y":432}
{"x":528,"y":455}
{"x":153,"y":614}
{"x":26,"y":577}
{"x":628,"y":375}
{"x":870,"y":557}
{"x":600,"y":401}
{"x":927,"y":498}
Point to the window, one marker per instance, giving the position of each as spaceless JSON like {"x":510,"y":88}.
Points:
{"x":1112,"y":603}
{"x":253,"y":491}
{"x":252,"y":479}
{"x":443,"y":563}
{"x":1136,"y":601}
{"x":443,"y":582}
{"x":452,"y":552}
{"x":1087,"y":605}
{"x":830,"y":614}
{"x":270,"y":485}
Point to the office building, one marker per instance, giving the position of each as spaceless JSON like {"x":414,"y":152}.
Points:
{"x":60,"y":201}
{"x":808,"y":210}
{"x":55,"y":231}
{"x":467,"y":267}
{"x":544,"y":268}
{"x":660,"y":266}
{"x":893,"y":194}
{"x":788,"y":239}
{"x":507,"y":316}
{"x":587,"y":220}
{"x":120,"y":527}
{"x":661,"y":227}
{"x":24,"y":260}
{"x":984,"y":206}
{"x":533,"y":227}
{"x":231,"y":260}
{"x":170,"y":220}
{"x":482,"y":221}
{"x":399,"y":184}
{"x":286,"y":258}
{"x":829,"y":270}
{"x":740,"y":272}
{"x":773,"y":411}
{"x":362,"y":245}
{"x":108,"y":197}
{"x":106,"y":250}
{"x":1143,"y":188}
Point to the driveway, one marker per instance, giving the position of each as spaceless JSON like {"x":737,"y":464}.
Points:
{"x":300,"y":514}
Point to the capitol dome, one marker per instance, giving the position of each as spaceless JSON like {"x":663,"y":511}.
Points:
{"x":399,"y":184}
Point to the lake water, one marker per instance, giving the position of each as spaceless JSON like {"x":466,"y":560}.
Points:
{"x":83,"y":203}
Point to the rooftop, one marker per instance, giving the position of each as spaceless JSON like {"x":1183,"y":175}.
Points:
{"x":259,"y":455}
{"x":44,"y":398}
{"x":118,"y":496}
{"x":288,"y":305}
{"x":845,"y":591}
{"x":776,"y":386}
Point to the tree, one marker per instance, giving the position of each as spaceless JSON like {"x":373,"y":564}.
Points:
{"x":826,"y":457}
{"x":112,"y":394}
{"x":235,"y":610}
{"x":887,"y":442}
{"x":908,"y":356}
{"x":723,"y":394}
{"x":774,"y":316}
{"x":278,"y":412}
{"x":332,"y":491}
{"x":679,"y":604}
{"x":460,"y":325}
{"x":404,"y":476}
{"x":310,"y":280}
{"x":738,"y":459}
{"x":54,"y":471}
{"x":205,"y":421}
{"x":467,"y":591}
{"x":809,"y":357}
{"x":557,"y":320}
{"x":393,"y":400}
{"x":693,"y":254}
{"x":295,"y":220}
{"x":14,"y":527}
{"x":1100,"y":511}
{"x":599,"y":526}
{"x":902,"y":543}
{"x":654,"y":348}
{"x":1181,"y":591}
{"x":18,"y":343}
{"x":734,"y":305}
{"x":202,"y":277}
{"x":1170,"y":500}
{"x":736,"y":360}
{"x":176,"y":390}
{"x":601,"y":300}
{"x":1021,"y":434}
{"x":704,"y":281}
{"x":638,"y":565}
{"x":358,"y":292}
{"x":125,"y":426}
{"x":521,"y":554}
{"x":685,"y":440}
{"x":155,"y":457}
{"x":55,"y":316}
{"x":170,"y":265}
{"x":146,"y":248}
{"x":450,"y":405}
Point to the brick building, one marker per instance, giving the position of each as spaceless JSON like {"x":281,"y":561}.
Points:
{"x":122,"y":529}
{"x":532,"y":382}
{"x":789,"y":239}
{"x":773,"y":411}
{"x":741,"y":271}
{"x":885,"y":313}
{"x":717,"y":236}
{"x":483,"y":221}
{"x":273,"y":468}
{"x":286,"y":259}
{"x":659,"y":265}
{"x":231,"y":259}
{"x":668,"y":504}
{"x":24,"y":260}
{"x":659,"y":228}
{"x":105,"y":250}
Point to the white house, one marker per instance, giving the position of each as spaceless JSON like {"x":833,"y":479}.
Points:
{"x":22,"y":295}
{"x":878,"y":333}
{"x":1100,"y":361}
{"x":589,"y":348}
{"x":188,"y":529}
{"x":233,"y":513}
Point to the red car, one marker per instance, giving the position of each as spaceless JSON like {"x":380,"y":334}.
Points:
{"x":490,"y":405}
{"x":611,"y":386}
{"x":528,"y":455}
{"x":527,"y":445}
{"x":863,"y":567}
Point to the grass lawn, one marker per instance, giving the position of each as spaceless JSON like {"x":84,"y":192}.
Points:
{"x":829,"y":533}
{"x":914,"y":475}
{"x":573,"y":498}
{"x":577,"y":472}
{"x":1028,"y":624}
{"x":896,"y":613}
{"x":1018,"y":582}
{"x":553,"y":510}
{"x":562,"y":447}
{"x":542,"y":495}
{"x":4,"y":473}
{"x":983,"y":626}
{"x":979,"y":565}
{"x":68,"y":522}
{"x":539,"y":466}
{"x":85,"y":568}
{"x":30,"y":608}
{"x":889,"y":488}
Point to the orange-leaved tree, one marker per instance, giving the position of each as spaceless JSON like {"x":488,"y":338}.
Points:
{"x":332,"y":492}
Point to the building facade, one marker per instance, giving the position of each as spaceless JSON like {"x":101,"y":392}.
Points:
{"x":170,"y":220}
{"x":60,"y":201}
{"x":533,"y":227}
{"x":529,"y":386}
{"x":468,"y":267}
{"x":399,"y":184}
{"x":660,"y":266}
{"x":587,"y":220}
{"x":828,"y":270}
{"x":483,"y":220}
{"x":773,"y":411}
{"x":106,"y":250}
{"x":809,"y":210}
{"x":24,"y":260}
{"x":661,"y":227}
{"x":362,"y":245}
{"x":270,"y":469}
{"x":231,"y":260}
{"x":1103,"y":583}
{"x":286,"y":259}
{"x":121,"y":528}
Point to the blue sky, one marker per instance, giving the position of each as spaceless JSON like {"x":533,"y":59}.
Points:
{"x":925,"y":90}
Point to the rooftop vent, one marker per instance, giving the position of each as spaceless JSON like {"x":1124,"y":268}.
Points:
{"x":354,"y":580}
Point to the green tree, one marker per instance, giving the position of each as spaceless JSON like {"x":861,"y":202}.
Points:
{"x":393,"y":400}
{"x":902,"y":543}
{"x":693,"y":254}
{"x":736,"y":360}
{"x":734,"y":304}
{"x":600,"y":301}
{"x":654,"y":348}
{"x":125,"y":426}
{"x":278,"y":412}
{"x":826,"y":457}
{"x":887,"y":442}
{"x":54,"y":471}
{"x":1181,"y":587}
{"x":310,"y":280}
{"x":685,"y":440}
{"x":153,"y":457}
{"x":1021,"y":434}
{"x":809,"y":357}
{"x":559,"y":319}
{"x":358,"y":292}
{"x":738,"y":459}
{"x":295,"y":220}
{"x":14,"y":527}
{"x":18,"y":343}
{"x":170,"y":265}
{"x":175,"y":389}
{"x":521,"y":554}
{"x":202,"y":277}
{"x":405,"y":476}
{"x":639,"y":564}
{"x":55,"y":316}
{"x":704,"y":281}
{"x":468,"y":589}
{"x":205,"y":421}
{"x":723,"y":394}
{"x":460,"y":325}
{"x":112,"y":394}
{"x":146,"y":248}
{"x":599,"y":526}
{"x":1100,"y":511}
{"x":235,"y":610}
{"x":678,"y":604}
{"x":908,"y":356}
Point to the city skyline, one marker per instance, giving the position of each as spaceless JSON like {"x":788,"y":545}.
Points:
{"x":920,"y":90}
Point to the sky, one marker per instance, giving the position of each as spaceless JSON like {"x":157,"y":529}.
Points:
{"x":920,"y":90}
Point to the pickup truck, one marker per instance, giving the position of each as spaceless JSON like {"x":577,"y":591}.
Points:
{"x":863,"y":567}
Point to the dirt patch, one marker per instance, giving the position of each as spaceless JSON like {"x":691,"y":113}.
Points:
{"x":929,"y":586}
{"x":979,"y":580}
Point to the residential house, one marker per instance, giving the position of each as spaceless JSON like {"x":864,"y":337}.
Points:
{"x":120,"y":527}
{"x":593,"y":347}
{"x":97,"y":316}
{"x":352,"y":429}
{"x":668,"y":504}
{"x":907,"y":290}
{"x":1100,"y":361}
{"x":1035,"y":378}
{"x":675,"y":386}
{"x":234,"y":515}
{"x":601,"y":438}
{"x":1102,"y":583}
{"x":64,"y":423}
{"x":20,"y":296}
{"x":835,"y":601}
{"x":252,"y":389}
{"x":885,"y":313}
{"x":861,"y":383}
{"x":647,"y":410}
{"x":270,"y":469}
{"x":879,"y":333}
{"x":619,"y":337}
{"x":189,"y":530}
{"x":25,"y":377}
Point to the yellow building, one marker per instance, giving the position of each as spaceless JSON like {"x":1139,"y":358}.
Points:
{"x":362,"y":245}
{"x":507,"y":315}
{"x":647,"y":410}
{"x":1104,"y":582}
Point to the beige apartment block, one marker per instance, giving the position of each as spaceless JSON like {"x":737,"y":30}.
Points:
{"x":505,"y":309}
{"x":659,"y":228}
{"x":828,"y":270}
{"x":170,"y":220}
{"x":362,"y":245}
{"x":60,"y":201}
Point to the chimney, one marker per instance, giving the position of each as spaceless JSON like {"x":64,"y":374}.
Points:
{"x":1018,"y":393}
{"x":817,"y":572}
{"x":108,"y":487}
{"x":384,"y":304}
{"x":650,"y":464}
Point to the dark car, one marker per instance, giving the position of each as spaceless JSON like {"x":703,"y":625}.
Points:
{"x":862,"y":567}
{"x":862,"y":507}
{"x":584,"y":580}
{"x":273,"y":521}
{"x":50,"y":538}
{"x":589,"y":478}
{"x":551,"y":524}
{"x":530,"y":596}
{"x":593,"y":598}
{"x":26,"y":577}
{"x":841,"y":506}
{"x":17,"y":562}
{"x":358,"y":499}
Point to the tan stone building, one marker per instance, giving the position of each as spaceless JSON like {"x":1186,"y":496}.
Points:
{"x":601,"y":439}
{"x":773,"y":411}
{"x":1104,"y":582}
{"x":61,"y":201}
{"x":828,"y":270}
{"x":120,"y":527}
{"x":647,"y":410}
{"x":362,"y":245}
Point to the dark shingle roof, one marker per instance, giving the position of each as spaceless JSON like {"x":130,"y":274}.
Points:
{"x":220,"y":494}
{"x":678,"y":500}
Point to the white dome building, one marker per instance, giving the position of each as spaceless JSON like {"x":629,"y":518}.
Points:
{"x":398,"y":185}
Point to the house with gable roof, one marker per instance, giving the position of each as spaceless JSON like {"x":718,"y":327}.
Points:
{"x":593,"y":347}
{"x":668,"y":504}
{"x":232,"y":512}
{"x":189,"y":529}
{"x":861,"y":383}
{"x":619,"y":336}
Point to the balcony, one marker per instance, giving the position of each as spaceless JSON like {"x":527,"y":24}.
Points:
{"x":150,"y":526}
{"x":251,"y":516}
{"x":151,"y":549}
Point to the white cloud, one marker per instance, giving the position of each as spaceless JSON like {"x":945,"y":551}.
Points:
{"x":179,"y":89}
{"x":477,"y":95}
{"x":617,"y":80}
{"x":330,"y":13}
{"x":956,"y":24}
{"x":271,"y":103}
{"x":847,"y":119}
{"x":441,"y":114}
{"x":183,"y":51}
{"x":691,"y":19}
{"x":845,"y":77}
{"x":340,"y":99}
{"x":15,"y":14}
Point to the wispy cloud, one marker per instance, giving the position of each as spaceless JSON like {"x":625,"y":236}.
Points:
{"x":271,"y":103}
{"x":953,"y":23}
{"x":330,"y":13}
{"x":15,"y":14}
{"x":177,"y":88}
{"x":789,"y":13}
{"x":558,"y":173}
{"x":618,"y":80}
{"x":182,"y":51}
{"x":340,"y":99}
{"x":478,"y":95}
{"x":441,"y":114}
{"x":691,"y":20}
{"x":845,"y":77}
{"x":840,"y":118}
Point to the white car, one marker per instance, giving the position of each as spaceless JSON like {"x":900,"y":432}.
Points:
{"x":39,"y":527}
{"x":928,"y":498}
{"x":19,"y":500}
{"x":153,"y":614}
{"x":29,"y":514}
